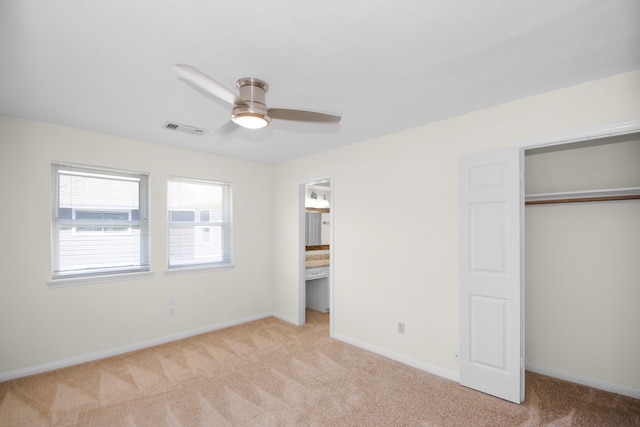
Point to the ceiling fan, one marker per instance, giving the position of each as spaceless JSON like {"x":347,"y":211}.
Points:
{"x":249,"y":108}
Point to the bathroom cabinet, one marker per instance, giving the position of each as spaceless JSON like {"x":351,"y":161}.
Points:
{"x":317,"y":288}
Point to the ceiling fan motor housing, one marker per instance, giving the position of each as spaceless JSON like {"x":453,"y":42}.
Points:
{"x":252,"y":92}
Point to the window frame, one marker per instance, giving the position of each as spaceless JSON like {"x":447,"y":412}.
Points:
{"x":226,"y":225}
{"x":61,"y":277}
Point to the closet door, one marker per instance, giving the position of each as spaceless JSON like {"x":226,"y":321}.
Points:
{"x":491,"y":337}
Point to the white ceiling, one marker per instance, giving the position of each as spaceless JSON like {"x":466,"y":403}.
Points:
{"x":384,"y":65}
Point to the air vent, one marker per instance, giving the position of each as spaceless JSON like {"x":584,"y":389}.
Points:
{"x":191,"y":130}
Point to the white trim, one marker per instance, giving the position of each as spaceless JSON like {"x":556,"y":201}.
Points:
{"x":115,"y":351}
{"x":179,"y":178}
{"x":332,"y":258}
{"x":64,"y":282}
{"x":615,"y":129}
{"x":589,"y":382}
{"x":197,"y":268}
{"x":287,"y":319}
{"x":432,"y":369}
{"x":301,"y":283}
{"x":92,"y":168}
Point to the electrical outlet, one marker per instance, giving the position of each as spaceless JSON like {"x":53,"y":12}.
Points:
{"x":401,"y":327}
{"x":172,"y":306}
{"x":456,"y":356}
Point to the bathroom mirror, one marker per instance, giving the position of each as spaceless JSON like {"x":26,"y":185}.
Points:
{"x":317,"y":229}
{"x":317,"y":217}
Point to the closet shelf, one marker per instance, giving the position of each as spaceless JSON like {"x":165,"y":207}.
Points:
{"x":632,"y":193}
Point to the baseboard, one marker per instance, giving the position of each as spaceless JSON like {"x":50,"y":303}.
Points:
{"x":400,"y":358}
{"x":590,"y":382}
{"x":577,"y":379}
{"x":90,"y":357}
{"x":285,"y":318}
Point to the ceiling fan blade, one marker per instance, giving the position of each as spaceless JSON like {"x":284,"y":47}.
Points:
{"x":226,"y":129}
{"x":201,"y":81}
{"x":303,"y":116}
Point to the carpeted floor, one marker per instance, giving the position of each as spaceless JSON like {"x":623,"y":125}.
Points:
{"x":270,"y":373}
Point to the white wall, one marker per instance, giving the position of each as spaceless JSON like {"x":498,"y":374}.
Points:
{"x":399,"y":261}
{"x":395,"y":225}
{"x":582,"y":270}
{"x":40,"y":325}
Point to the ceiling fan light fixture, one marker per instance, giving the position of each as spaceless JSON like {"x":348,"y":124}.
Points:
{"x":253,"y":112}
{"x":250,"y":120}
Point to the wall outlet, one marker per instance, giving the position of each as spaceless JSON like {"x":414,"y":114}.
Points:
{"x":401,"y":327}
{"x":172,"y":306}
{"x":456,"y":356}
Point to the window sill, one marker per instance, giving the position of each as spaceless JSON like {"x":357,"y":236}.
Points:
{"x":197,"y":269}
{"x":92,"y":280}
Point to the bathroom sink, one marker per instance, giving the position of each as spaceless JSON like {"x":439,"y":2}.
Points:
{"x":316,"y":273}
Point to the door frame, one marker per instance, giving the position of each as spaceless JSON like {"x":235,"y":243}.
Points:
{"x":582,"y":135}
{"x":301,"y":300}
{"x":567,"y":138}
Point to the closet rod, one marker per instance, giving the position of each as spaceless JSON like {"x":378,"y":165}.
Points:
{"x":632,"y":193}
{"x":582,"y":199}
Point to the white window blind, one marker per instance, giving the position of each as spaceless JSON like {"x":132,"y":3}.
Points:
{"x":100,"y":221}
{"x":199,"y":214}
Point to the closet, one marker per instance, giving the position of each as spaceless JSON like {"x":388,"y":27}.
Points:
{"x":582,"y":258}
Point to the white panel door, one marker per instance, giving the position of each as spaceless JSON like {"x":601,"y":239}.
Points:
{"x":491,"y":326}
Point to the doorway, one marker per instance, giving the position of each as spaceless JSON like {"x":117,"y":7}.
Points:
{"x":582,"y":239}
{"x":480,"y":351}
{"x":315,"y":247}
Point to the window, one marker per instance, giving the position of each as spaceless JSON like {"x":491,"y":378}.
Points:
{"x":99,"y":221}
{"x":199,"y":223}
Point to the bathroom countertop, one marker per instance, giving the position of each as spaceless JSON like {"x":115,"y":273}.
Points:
{"x":321,"y":260}
{"x":316,"y":263}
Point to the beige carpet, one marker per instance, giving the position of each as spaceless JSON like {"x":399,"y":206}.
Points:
{"x":270,"y":373}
